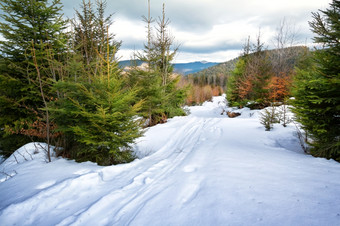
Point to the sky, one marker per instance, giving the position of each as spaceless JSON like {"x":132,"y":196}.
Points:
{"x":208,"y":30}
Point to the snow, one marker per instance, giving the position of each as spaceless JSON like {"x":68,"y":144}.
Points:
{"x":202,"y":169}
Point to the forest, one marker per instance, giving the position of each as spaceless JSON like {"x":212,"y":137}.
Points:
{"x":60,"y":81}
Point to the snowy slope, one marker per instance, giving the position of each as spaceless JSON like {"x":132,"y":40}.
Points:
{"x":202,"y":169}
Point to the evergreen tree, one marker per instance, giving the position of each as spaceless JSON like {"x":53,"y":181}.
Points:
{"x":27,"y":26}
{"x":91,"y":34}
{"x":158,"y":85}
{"x":96,"y":111}
{"x":250,"y":77}
{"x":150,"y":92}
{"x":232,"y":90}
{"x":97,"y":118}
{"x":317,"y":103}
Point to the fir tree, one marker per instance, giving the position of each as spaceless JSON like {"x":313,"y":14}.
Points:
{"x":233,"y":83}
{"x":317,"y":103}
{"x":96,"y":111}
{"x":158,"y":85}
{"x":98,"y":119}
{"x":27,"y":25}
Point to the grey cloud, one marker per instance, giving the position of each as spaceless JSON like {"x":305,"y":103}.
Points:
{"x":215,"y":47}
{"x":199,"y":16}
{"x":182,"y":14}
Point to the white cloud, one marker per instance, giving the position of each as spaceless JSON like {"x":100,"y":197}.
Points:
{"x":131,"y":32}
{"x":211,"y":30}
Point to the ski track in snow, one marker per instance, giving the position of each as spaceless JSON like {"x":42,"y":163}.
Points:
{"x":207,"y":169}
{"x":146,"y":185}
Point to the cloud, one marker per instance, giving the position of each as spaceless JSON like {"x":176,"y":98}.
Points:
{"x":131,"y":32}
{"x":208,"y":29}
{"x":204,"y":27}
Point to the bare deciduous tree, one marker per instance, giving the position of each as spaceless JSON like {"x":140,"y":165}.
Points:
{"x":285,"y":38}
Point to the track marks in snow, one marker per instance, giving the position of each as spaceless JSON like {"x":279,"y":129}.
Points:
{"x":117,"y":194}
{"x":46,"y":201}
{"x":149,"y":180}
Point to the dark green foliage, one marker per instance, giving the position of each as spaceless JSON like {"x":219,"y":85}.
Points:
{"x":30,"y":20}
{"x":93,"y":112}
{"x":150,"y":91}
{"x":156,"y":81}
{"x":98,"y":119}
{"x":232,"y":85}
{"x":159,"y":101}
{"x":27,"y":25}
{"x":96,"y":109}
{"x":174,"y":98}
{"x":317,"y":85}
{"x":14,"y":113}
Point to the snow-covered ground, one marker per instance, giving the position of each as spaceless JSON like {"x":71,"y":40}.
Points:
{"x":202,"y":169}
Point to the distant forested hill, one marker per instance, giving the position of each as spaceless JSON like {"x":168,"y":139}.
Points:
{"x":189,"y":68}
{"x":213,"y":81}
{"x":180,"y":68}
{"x":215,"y":75}
{"x":221,"y":68}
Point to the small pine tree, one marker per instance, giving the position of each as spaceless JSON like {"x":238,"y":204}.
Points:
{"x":233,"y":83}
{"x":98,"y":119}
{"x":97,"y":116}
{"x":283,"y":113}
{"x":268,"y":117}
{"x":149,"y":90}
{"x":96,"y":109}
{"x":158,"y":85}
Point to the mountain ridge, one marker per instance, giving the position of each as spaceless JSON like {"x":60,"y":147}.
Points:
{"x":180,"y":68}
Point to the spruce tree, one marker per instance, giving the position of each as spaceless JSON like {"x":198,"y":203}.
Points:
{"x":27,"y":26}
{"x":317,"y":103}
{"x":97,"y":118}
{"x":96,"y":111}
{"x":233,"y":96}
{"x":163,"y":98}
{"x":150,"y":91}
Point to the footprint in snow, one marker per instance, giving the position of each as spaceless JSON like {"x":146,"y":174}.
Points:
{"x":46,"y":184}
{"x":189,"y":169}
{"x":189,"y":192}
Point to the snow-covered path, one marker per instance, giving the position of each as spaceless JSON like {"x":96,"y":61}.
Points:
{"x":203,"y":169}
